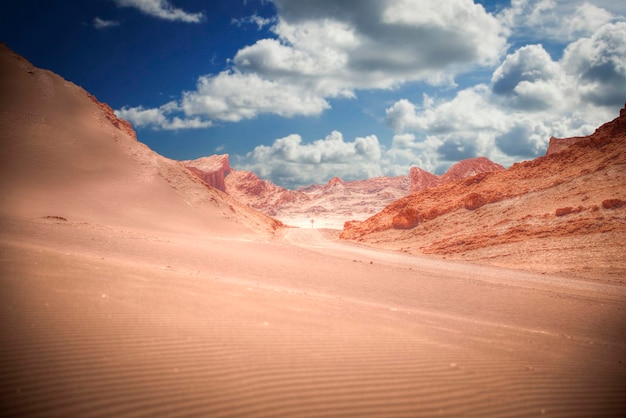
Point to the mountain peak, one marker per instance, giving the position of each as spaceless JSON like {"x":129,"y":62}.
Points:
{"x":422,"y":179}
{"x":334,"y":181}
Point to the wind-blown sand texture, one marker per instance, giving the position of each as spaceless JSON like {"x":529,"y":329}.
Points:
{"x":128,"y":289}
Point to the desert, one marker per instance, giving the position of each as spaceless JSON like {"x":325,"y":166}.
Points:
{"x":131,"y":287}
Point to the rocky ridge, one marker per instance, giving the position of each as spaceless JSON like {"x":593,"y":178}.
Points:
{"x":561,"y":205}
{"x":337,"y":200}
{"x":422,"y":180}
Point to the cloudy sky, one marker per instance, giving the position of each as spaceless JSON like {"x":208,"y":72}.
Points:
{"x":302,"y":90}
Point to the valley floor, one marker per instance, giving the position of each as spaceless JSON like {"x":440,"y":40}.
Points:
{"x":112,"y":321}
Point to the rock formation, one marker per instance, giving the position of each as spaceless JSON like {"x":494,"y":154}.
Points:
{"x":260,"y":194}
{"x":338,"y":199}
{"x":566,"y":202}
{"x":470,"y":167}
{"x":335,"y":201}
{"x":422,"y":180}
{"x":211,"y":170}
{"x":559,"y":144}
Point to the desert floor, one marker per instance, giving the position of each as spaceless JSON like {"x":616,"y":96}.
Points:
{"x":113,"y":321}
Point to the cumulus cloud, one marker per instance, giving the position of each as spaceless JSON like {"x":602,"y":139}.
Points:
{"x":329,"y":49}
{"x":161,"y":9}
{"x":359,"y":44}
{"x":599,"y":65}
{"x":560,"y":20}
{"x":291,"y":163}
{"x":529,"y":79}
{"x":235,"y":96}
{"x":100,"y":23}
{"x":525,"y":138}
{"x":530,"y":98}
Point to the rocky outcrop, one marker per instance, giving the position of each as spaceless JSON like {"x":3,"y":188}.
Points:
{"x":559,"y":144}
{"x":335,"y":199}
{"x":610,"y":129}
{"x":422,"y":180}
{"x":407,"y":218}
{"x":613,"y":203}
{"x":211,"y":170}
{"x":260,"y":194}
{"x":469,"y":168}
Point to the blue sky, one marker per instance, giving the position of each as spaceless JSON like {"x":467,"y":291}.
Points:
{"x":300,"y":91}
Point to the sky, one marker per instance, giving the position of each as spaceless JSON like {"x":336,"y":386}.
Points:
{"x":299,"y":91}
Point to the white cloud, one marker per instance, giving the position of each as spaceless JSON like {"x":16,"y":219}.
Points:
{"x":529,"y":79}
{"x":161,"y":9}
{"x":292,"y":163}
{"x":599,"y":65}
{"x":233,"y":96}
{"x":587,"y":19}
{"x":331,"y":49}
{"x":260,"y":21}
{"x":561,"y":20}
{"x":531,"y":97}
{"x":99,"y":23}
{"x":371,"y":44}
{"x":157,"y":118}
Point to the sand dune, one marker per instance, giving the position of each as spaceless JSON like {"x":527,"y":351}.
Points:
{"x":130,"y":290}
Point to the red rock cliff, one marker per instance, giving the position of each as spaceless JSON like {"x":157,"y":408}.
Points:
{"x":212,"y":170}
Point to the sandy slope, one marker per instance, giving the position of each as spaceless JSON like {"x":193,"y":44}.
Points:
{"x":64,"y":154}
{"x":130,"y":290}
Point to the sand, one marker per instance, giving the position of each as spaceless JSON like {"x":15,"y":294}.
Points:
{"x":103,"y":321}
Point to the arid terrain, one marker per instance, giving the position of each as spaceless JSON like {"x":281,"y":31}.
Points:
{"x":563,"y":213}
{"x":131,"y":288}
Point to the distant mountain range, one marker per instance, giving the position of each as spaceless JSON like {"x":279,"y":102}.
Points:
{"x":337,"y":199}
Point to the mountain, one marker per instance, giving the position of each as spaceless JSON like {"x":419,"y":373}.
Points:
{"x":470,"y":167}
{"x":422,"y":180}
{"x":332,"y":203}
{"x":564,"y":212}
{"x":66,"y":157}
